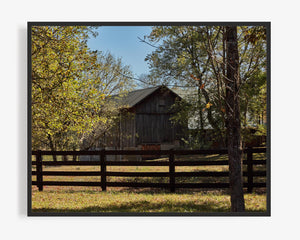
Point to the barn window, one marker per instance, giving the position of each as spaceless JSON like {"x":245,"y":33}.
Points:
{"x":161,"y":102}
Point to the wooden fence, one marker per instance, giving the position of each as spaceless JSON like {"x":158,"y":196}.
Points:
{"x":171,"y":174}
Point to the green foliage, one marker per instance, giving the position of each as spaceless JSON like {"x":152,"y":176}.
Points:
{"x":261,"y":130}
{"x":194,"y":57}
{"x":70,"y":85}
{"x":59,"y":58}
{"x":183,"y":59}
{"x":254,"y":99}
{"x":175,"y":58}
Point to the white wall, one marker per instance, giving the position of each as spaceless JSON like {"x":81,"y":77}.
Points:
{"x":285,"y":115}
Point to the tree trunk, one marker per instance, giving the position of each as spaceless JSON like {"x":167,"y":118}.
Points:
{"x":52,"y":148}
{"x":233,"y":123}
{"x":74,"y":156}
{"x":201,"y":125}
{"x":200,"y":133}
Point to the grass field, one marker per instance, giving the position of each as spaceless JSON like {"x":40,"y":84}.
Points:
{"x":91,"y":199}
{"x":146,"y":201}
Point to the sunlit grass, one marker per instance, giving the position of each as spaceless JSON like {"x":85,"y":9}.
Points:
{"x":126,"y":201}
{"x":92,"y":199}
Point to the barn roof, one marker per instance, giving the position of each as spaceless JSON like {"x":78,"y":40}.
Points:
{"x":133,"y":98}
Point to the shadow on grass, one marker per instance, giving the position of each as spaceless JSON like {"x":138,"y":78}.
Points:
{"x":152,"y":191}
{"x":142,"y":206}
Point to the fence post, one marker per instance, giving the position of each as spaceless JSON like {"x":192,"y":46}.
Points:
{"x":250,"y":169}
{"x":172,"y":171}
{"x":39,"y":170}
{"x":103,"y":170}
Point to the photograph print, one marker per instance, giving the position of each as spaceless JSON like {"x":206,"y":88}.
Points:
{"x":149,"y":119}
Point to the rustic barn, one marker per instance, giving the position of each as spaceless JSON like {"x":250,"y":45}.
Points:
{"x":144,"y":122}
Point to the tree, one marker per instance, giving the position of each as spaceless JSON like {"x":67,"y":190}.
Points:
{"x":194,"y":58}
{"x":109,"y":78}
{"x":233,"y":125}
{"x":70,"y":85}
{"x":224,"y":66}
{"x":181,"y":59}
{"x":59,"y":58}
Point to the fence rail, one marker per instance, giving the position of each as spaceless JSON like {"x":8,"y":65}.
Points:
{"x":171,"y":174}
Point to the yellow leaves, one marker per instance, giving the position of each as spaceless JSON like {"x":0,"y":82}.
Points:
{"x":181,"y":60}
{"x":49,"y":132}
{"x":67,"y":91}
{"x":208,"y":105}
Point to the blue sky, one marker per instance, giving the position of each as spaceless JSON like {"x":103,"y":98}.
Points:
{"x":123,"y":42}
